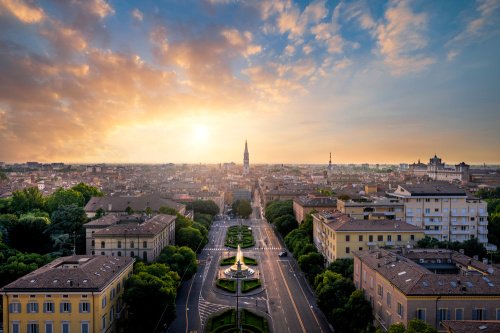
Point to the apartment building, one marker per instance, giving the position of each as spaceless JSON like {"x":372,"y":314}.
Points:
{"x":337,"y":235}
{"x":124,"y":235}
{"x":373,"y":209}
{"x":430,"y":285}
{"x":71,"y":294}
{"x":304,"y":205}
{"x":445,"y":211}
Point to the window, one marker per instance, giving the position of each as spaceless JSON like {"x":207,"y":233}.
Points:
{"x":412,"y":237}
{"x":103,"y":322}
{"x":49,"y":327}
{"x":103,"y":245}
{"x":132,"y":253}
{"x":84,"y":327}
{"x":113,"y":292}
{"x":119,"y":253}
{"x":370,"y":238}
{"x":380,"y":238}
{"x":436,"y":209}
{"x":498,"y":314}
{"x":427,"y":200}
{"x":15,"y":327}
{"x":347,"y":250}
{"x":65,"y":307}
{"x":145,"y":256}
{"x":145,"y":244}
{"x":32,"y":307}
{"x":48,"y":307}
{"x":401,"y":310}
{"x":111,"y":317}
{"x":399,"y":238}
{"x":479,"y":314}
{"x":389,"y":299}
{"x":443,"y":314}
{"x":459,"y":314}
{"x":420,"y":314}
{"x":84,"y":307}
{"x":360,"y":248}
{"x":93,"y":243}
{"x":102,"y":253}
{"x":131,"y":244}
{"x":33,"y":328}
{"x":389,"y":238}
{"x":360,"y":238}
{"x":104,"y":301}
{"x":15,"y":307}
{"x":427,"y":210}
{"x":118,"y":287}
{"x":380,"y":290}
{"x":119,"y":244}
{"x":347,"y":238}
{"x":65,"y":327}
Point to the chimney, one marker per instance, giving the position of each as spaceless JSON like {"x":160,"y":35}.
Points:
{"x":110,"y":206}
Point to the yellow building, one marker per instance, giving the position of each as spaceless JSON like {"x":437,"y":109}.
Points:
{"x":337,"y":235}
{"x":373,"y":209}
{"x":71,"y":294}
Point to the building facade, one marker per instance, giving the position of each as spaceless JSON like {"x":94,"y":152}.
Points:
{"x":130,"y":236}
{"x":430,"y":285}
{"x":71,"y":294}
{"x":437,"y":170}
{"x":304,"y":205}
{"x":380,"y":208}
{"x":337,"y":235}
{"x":445,"y":211}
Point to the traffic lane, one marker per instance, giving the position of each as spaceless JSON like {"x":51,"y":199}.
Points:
{"x":303,"y":299}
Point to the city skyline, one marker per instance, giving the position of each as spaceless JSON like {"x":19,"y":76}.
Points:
{"x":189,"y":81}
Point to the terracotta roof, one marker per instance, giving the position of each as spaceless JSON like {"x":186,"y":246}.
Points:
{"x":342,"y":222}
{"x":120,"y":204}
{"x":413,"y":279}
{"x":150,"y":227}
{"x":72,"y":273}
{"x":308,"y":201}
{"x":472,"y":326}
{"x":433,"y":189}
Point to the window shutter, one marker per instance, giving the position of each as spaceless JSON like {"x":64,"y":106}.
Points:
{"x":474,"y":314}
{"x":69,"y":307}
{"x":28,"y":308}
{"x":61,"y":307}
{"x":448,"y":314}
{"x":36,"y":307}
{"x":11,"y":308}
{"x":80,"y":307}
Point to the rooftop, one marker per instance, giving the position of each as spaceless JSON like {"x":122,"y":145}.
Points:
{"x":73,"y":273}
{"x":342,"y":222}
{"x":150,"y":227}
{"x":315,"y":201}
{"x":120,"y":204}
{"x":471,"y":326}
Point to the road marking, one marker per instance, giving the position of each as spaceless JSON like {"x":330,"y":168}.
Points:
{"x":307,"y":300}
{"x":187,"y":309}
{"x":291,"y":298}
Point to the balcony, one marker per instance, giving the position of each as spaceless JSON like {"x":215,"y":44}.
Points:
{"x":460,"y":232}
{"x":482,"y":231}
{"x":433,"y":232}
{"x":371,"y":243}
{"x":459,"y":214}
{"x":485,"y":213}
{"x":483,"y":222}
{"x":433,"y":214}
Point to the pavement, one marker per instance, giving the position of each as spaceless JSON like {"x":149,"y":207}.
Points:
{"x":286,"y":299}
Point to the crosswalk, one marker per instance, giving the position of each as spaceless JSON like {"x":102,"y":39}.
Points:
{"x":206,"y":309}
{"x":270,"y":248}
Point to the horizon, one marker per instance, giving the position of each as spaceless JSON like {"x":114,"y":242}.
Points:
{"x":140,"y":83}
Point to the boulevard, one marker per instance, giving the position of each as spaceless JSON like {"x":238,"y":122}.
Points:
{"x":286,"y":299}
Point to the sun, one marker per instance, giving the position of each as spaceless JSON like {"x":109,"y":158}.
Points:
{"x":200,"y":133}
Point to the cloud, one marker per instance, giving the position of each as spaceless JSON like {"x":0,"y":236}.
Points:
{"x":137,"y":15}
{"x":65,"y":40}
{"x":401,"y":39}
{"x":482,"y":25}
{"x":293,"y":22}
{"x":24,"y":12}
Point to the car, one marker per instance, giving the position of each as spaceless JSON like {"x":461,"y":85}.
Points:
{"x":282,"y":254}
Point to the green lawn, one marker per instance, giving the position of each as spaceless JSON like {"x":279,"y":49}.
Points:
{"x":227,"y":285}
{"x":249,"y":285}
{"x":226,"y":322}
{"x":228,"y":261}
{"x":232,"y":239}
{"x":250,"y":261}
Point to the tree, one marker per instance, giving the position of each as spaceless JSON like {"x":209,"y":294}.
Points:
{"x":244,"y":209}
{"x":201,"y":228}
{"x":356,"y":316}
{"x":150,"y":296}
{"x":307,"y":225}
{"x":27,"y":200}
{"x":5,"y":205}
{"x":6,"y":222}
{"x":332,"y":290}
{"x":278,"y":208}
{"x":30,"y":234}
{"x":285,"y":224}
{"x":494,"y":230}
{"x":70,"y":220}
{"x":414,"y":326}
{"x":311,"y":264}
{"x":167,"y":210}
{"x":62,"y":197}
{"x":344,"y":267}
{"x":87,"y":192}
{"x":181,"y":260}
{"x":129,"y":210}
{"x":204,"y":207}
{"x":20,"y":264}
{"x":191,"y":238}
{"x":344,"y":197}
{"x":99,"y":213}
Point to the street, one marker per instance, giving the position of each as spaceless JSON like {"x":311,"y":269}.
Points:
{"x":285,"y":299}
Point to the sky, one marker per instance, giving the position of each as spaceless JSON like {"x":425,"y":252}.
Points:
{"x":187,"y":81}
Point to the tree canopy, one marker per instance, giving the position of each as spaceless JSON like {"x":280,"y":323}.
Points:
{"x":87,"y":192}
{"x":27,"y":200}
{"x":62,"y":197}
{"x":204,"y":207}
{"x":181,"y":260}
{"x":275,"y":209}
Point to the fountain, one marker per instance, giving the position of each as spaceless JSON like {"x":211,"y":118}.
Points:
{"x":239,"y":269}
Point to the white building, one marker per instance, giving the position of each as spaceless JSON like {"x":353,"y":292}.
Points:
{"x":445,"y":212}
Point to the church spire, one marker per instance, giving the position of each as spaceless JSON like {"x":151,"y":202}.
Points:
{"x":246,"y":160}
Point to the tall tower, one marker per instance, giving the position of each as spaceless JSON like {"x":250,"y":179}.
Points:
{"x":246,"y":160}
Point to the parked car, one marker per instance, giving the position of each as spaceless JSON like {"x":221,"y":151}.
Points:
{"x":282,"y":254}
